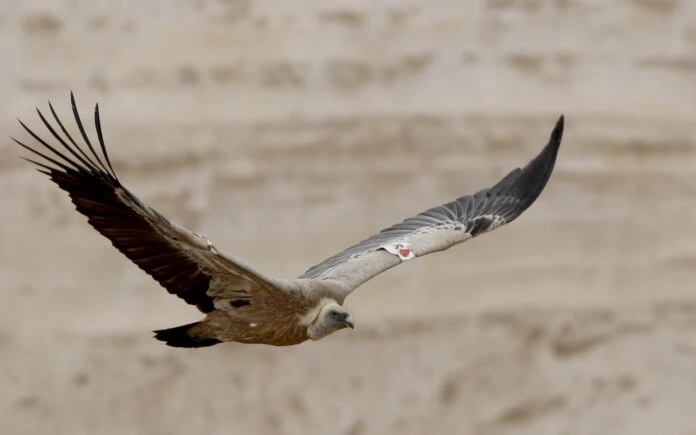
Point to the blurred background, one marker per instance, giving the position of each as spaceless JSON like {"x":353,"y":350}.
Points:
{"x":286,"y":131}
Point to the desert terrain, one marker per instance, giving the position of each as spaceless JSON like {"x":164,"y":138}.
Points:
{"x":286,"y":131}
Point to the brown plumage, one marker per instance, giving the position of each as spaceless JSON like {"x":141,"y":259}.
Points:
{"x":241,"y":304}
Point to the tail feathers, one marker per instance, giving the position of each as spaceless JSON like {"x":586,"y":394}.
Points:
{"x":180,"y":337}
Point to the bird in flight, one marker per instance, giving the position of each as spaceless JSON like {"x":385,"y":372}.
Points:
{"x":240,"y":303}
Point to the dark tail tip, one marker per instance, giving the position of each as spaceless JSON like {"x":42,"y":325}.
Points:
{"x":179,"y":337}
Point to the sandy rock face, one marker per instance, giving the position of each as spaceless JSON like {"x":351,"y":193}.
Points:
{"x":285,"y":132}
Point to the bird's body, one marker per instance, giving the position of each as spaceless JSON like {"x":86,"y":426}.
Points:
{"x":281,"y":318}
{"x":241,"y":304}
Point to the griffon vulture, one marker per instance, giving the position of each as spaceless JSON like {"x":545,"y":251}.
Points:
{"x":242,"y":304}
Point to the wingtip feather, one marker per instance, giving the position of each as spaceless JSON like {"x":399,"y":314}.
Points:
{"x":557,"y":133}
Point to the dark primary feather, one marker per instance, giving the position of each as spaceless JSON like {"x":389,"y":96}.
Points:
{"x":472,"y":214}
{"x":133,"y":228}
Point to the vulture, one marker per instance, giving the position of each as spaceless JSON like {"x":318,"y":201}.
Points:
{"x":240,"y":303}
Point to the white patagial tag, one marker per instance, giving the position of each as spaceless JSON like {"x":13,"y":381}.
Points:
{"x":401,"y":250}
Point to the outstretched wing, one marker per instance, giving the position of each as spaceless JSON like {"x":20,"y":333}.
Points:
{"x":183,"y":262}
{"x":444,"y":226}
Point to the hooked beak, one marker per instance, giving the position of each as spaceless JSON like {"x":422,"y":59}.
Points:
{"x":349,"y":322}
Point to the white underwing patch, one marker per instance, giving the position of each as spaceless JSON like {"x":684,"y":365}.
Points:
{"x":211,"y":247}
{"x":401,"y":250}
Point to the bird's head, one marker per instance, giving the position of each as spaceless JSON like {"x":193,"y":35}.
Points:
{"x":331,"y":318}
